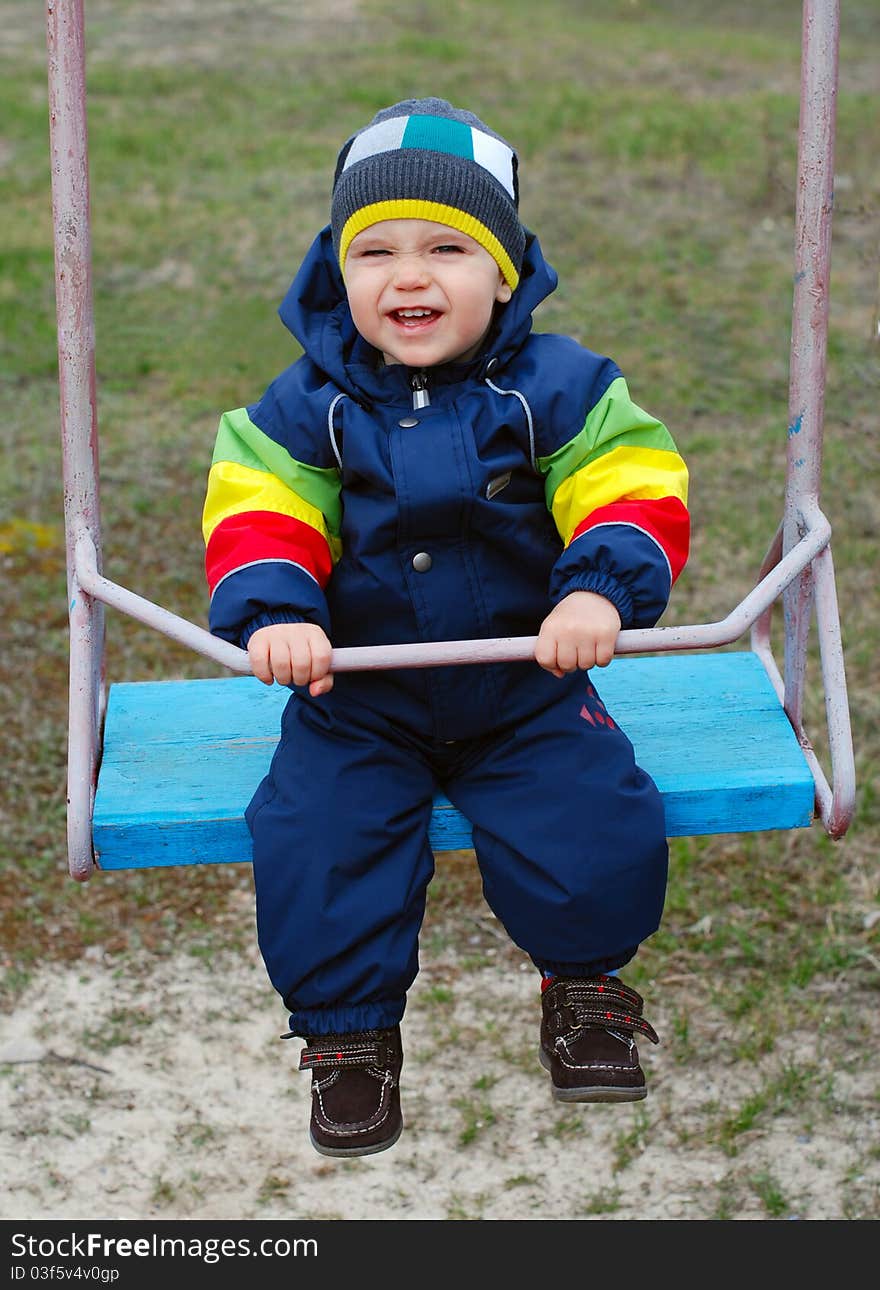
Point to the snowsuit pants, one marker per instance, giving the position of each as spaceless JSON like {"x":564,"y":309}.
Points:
{"x":568,"y":832}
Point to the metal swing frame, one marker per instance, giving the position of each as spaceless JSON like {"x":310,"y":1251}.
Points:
{"x":797,"y":570}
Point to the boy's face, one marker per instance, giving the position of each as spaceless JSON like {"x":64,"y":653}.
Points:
{"x":422,"y":293}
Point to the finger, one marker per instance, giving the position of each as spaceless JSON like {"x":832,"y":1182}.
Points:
{"x":301,"y":664}
{"x":323,"y":686}
{"x":545,"y":653}
{"x":279,"y":662}
{"x":259,"y":659}
{"x":604,"y":653}
{"x":566,"y":656}
{"x":586,"y":657}
{"x":321,"y":658}
{"x":548,"y":662}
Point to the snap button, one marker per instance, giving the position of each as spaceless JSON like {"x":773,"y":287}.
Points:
{"x":408,"y":422}
{"x":422,"y":562}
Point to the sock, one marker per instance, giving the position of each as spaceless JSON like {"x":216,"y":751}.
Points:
{"x":547,"y":978}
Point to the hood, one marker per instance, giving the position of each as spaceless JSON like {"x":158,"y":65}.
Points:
{"x":315,"y":311}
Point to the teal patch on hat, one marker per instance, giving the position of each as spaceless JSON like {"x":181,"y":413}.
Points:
{"x":439,"y":134}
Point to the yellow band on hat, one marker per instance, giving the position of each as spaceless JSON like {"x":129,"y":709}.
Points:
{"x":419,"y":208}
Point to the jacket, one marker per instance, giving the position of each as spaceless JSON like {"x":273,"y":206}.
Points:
{"x":463,"y":502}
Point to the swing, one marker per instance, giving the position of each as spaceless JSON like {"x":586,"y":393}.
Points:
{"x":159,"y":773}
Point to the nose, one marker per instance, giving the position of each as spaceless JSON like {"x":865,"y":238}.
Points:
{"x":410,"y":272}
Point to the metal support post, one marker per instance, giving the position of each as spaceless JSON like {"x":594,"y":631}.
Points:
{"x":809,"y":325}
{"x":65,"y":34}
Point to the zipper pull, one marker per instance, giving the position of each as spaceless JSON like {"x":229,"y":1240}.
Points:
{"x":419,"y":383}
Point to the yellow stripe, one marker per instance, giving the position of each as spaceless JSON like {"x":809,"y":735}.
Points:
{"x":233,"y":488}
{"x":622,"y":474}
{"x":417,"y":208}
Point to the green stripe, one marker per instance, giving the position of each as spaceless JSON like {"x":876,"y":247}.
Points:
{"x":614,"y":422}
{"x":241,"y":442}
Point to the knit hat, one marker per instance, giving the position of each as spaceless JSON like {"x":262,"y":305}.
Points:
{"x":425,"y":159}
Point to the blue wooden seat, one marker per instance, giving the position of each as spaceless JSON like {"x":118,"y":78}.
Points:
{"x":182,"y":758}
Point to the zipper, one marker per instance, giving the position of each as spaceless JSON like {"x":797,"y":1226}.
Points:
{"x":419,"y":383}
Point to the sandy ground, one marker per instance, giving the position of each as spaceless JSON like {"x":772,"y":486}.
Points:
{"x":159,"y":1089}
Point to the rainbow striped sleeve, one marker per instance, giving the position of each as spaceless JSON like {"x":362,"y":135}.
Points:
{"x":617,"y":492}
{"x":271,"y":527}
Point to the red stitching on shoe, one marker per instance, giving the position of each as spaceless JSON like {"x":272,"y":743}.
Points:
{"x":354,"y":1057}
{"x":588,"y":1018}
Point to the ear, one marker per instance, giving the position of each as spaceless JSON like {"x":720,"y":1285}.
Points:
{"x":504,"y":292}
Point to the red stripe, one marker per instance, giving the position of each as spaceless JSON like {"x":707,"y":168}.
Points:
{"x":265,"y":535}
{"x":665,"y":518}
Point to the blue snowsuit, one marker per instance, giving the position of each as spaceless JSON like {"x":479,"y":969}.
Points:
{"x":456,"y":520}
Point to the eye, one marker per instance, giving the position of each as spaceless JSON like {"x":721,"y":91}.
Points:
{"x":449,"y":248}
{"x":373,"y":251}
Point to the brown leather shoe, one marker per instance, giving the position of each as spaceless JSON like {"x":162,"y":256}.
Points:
{"x":587,"y":1042}
{"x":355,"y":1091}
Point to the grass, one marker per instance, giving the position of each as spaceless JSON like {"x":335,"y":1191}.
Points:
{"x":768,"y":1190}
{"x":476,"y":1114}
{"x":273,"y":1188}
{"x":657,"y":145}
{"x":606,"y":1201}
{"x":629,"y":1143}
{"x":792,"y":1086}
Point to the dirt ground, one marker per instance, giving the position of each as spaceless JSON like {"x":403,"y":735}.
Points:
{"x":158,"y":1089}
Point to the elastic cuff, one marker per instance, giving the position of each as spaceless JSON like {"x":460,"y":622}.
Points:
{"x":602,"y":584}
{"x":271,"y":618}
{"x":344,"y":1018}
{"x":595,"y":967}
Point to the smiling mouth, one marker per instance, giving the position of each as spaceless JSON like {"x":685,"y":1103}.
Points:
{"x":413,"y":319}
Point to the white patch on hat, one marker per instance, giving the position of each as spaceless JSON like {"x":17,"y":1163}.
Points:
{"x":494,"y":156}
{"x":384,"y":137}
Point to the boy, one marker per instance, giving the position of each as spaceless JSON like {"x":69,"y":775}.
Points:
{"x":429,"y":469}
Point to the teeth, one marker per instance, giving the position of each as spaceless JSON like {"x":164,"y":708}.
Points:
{"x":415,"y":313}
